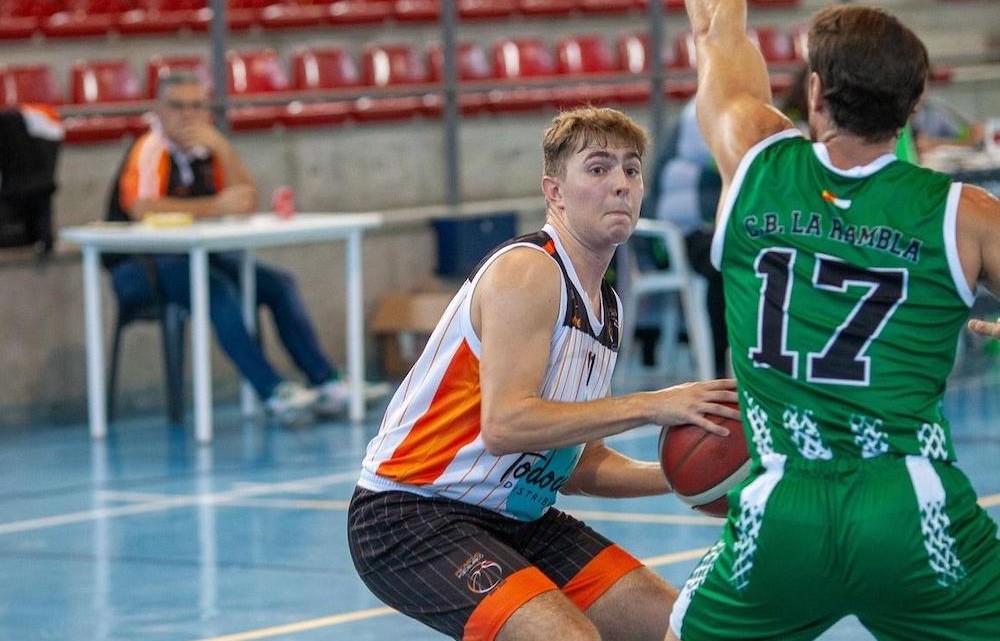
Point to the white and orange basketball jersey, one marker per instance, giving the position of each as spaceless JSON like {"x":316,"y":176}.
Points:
{"x":430,"y":441}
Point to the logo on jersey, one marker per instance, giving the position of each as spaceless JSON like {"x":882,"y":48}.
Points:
{"x":830,"y":197}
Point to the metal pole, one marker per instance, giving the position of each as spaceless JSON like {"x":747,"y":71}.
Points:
{"x":657,"y":77}
{"x":219,"y":33}
{"x":451,"y":114}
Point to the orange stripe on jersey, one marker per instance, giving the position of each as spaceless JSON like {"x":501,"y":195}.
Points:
{"x":549,"y":247}
{"x":492,"y":612}
{"x":601,"y":573}
{"x":135,"y":178}
{"x":218,"y":174}
{"x":451,"y":422}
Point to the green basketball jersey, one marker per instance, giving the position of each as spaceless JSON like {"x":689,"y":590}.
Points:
{"x":844,"y":301}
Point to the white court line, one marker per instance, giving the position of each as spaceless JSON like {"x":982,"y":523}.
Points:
{"x":302,"y":626}
{"x":319,"y":504}
{"x":170,"y":503}
{"x":360,"y":615}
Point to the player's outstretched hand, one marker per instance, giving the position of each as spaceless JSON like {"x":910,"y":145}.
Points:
{"x":689,"y":403}
{"x":986,"y":328}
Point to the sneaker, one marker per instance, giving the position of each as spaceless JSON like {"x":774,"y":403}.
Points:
{"x":291,"y":403}
{"x":333,"y":397}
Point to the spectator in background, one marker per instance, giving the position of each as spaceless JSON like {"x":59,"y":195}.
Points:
{"x":685,"y":191}
{"x":184,"y":164}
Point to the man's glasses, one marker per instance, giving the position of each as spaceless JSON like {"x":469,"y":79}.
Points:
{"x":190,"y":105}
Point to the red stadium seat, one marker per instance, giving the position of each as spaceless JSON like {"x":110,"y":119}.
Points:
{"x":16,"y":22}
{"x":472,"y":63}
{"x":585,"y":54}
{"x":354,"y":12}
{"x":609,"y":6}
{"x":255,"y":72}
{"x":20,"y":84}
{"x":254,"y":117}
{"x":523,"y":57}
{"x":516,"y":59}
{"x":486,"y":9}
{"x":293,"y":15}
{"x":546,"y":7}
{"x":104,"y":81}
{"x":772,"y":4}
{"x":777,"y":46}
{"x":634,"y":57}
{"x":591,"y":54}
{"x":82,"y":18}
{"x":158,"y":66}
{"x":393,"y":64}
{"x":383,"y":65}
{"x":31,"y":8}
{"x":243,"y":14}
{"x":98,"y":129}
{"x":316,"y":114}
{"x":416,"y":10}
{"x":143,"y":22}
{"x":684,"y":56}
{"x":317,"y":68}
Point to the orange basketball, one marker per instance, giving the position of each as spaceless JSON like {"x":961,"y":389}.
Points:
{"x":701,"y":466}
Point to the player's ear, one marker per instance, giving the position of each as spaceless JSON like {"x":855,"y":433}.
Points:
{"x":551,"y":188}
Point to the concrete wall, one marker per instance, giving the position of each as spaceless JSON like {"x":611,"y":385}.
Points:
{"x":345,"y":168}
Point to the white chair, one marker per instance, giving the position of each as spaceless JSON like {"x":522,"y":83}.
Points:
{"x":684,"y":292}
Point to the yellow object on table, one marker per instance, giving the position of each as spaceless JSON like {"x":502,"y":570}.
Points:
{"x":168,"y":219}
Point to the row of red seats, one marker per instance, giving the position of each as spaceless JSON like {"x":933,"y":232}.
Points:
{"x":382,"y":64}
{"x":82,"y":18}
{"x":327,"y":85}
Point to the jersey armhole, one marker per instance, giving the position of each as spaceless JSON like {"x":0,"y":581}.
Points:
{"x":466,"y":312}
{"x":951,"y":244}
{"x":722,"y":221}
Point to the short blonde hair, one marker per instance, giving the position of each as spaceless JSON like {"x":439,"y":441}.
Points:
{"x":576,"y":129}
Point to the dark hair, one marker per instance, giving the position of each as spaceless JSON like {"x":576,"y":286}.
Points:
{"x":177,"y":77}
{"x":873,"y":69}
{"x":577,"y":128}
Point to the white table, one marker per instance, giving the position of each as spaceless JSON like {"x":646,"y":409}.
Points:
{"x":198,"y":240}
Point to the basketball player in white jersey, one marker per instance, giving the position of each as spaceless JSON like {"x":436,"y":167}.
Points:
{"x":452,"y":522}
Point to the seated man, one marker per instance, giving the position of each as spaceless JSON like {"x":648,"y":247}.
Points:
{"x":184,"y":164}
{"x":685,"y":191}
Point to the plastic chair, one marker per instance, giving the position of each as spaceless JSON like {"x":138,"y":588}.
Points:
{"x":471,"y":61}
{"x":172,"y":319}
{"x":319,"y":68}
{"x":584,"y":54}
{"x":98,"y":81}
{"x":384,"y":65}
{"x":21,"y":84}
{"x":685,"y":293}
{"x":777,"y":46}
{"x":255,"y":72}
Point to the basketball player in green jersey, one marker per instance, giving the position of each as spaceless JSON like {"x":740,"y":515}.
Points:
{"x":848,"y":278}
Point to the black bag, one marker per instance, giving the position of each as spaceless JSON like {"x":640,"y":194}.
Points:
{"x":28,"y":158}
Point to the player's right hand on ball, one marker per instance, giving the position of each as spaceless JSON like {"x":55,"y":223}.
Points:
{"x":688,"y":403}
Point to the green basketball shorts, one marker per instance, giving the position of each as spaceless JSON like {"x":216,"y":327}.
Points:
{"x":898,"y":542}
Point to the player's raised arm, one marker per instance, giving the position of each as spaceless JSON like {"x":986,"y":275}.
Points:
{"x":734,"y":92}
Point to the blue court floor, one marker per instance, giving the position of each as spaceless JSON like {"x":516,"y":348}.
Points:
{"x":149,"y":537}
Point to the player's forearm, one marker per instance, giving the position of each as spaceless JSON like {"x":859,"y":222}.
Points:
{"x":533,"y":424}
{"x":199,"y":207}
{"x":604,"y":472}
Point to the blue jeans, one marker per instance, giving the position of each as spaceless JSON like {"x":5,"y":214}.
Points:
{"x":276,"y":290}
